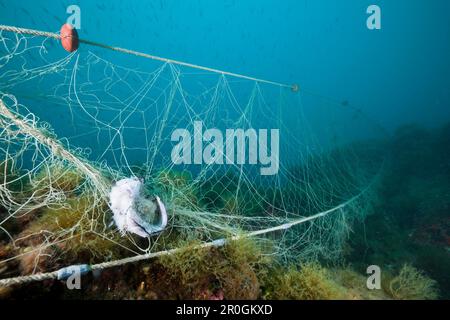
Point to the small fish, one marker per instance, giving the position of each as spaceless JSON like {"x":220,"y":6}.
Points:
{"x":357,"y":114}
{"x":25,"y":11}
{"x":101,"y":6}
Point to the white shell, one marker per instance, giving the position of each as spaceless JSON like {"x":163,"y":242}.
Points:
{"x":123,"y":198}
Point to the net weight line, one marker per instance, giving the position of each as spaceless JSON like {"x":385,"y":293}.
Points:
{"x":212,"y":244}
{"x":67,"y":155}
{"x":56,"y":36}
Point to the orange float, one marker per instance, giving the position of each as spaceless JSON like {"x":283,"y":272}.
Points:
{"x":69,"y":37}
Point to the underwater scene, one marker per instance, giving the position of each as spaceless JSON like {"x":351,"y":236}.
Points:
{"x":224,"y":150}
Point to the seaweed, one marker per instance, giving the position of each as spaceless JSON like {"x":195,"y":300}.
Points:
{"x":412,"y":284}
{"x":308,"y":281}
{"x":230,"y":272}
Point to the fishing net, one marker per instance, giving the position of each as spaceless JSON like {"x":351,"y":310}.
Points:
{"x":73,"y":124}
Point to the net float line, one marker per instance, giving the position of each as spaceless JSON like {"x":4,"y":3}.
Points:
{"x":70,"y":42}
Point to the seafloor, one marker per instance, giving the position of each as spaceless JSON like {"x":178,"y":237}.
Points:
{"x":408,"y":236}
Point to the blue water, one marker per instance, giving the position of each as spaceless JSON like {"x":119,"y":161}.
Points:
{"x":396,"y":75}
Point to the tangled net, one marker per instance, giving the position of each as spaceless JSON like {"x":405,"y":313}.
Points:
{"x":73,"y":124}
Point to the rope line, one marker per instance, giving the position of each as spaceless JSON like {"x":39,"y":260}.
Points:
{"x":216,"y":243}
{"x":38,"y":33}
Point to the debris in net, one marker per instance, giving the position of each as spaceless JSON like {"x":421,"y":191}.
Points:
{"x":133,"y":212}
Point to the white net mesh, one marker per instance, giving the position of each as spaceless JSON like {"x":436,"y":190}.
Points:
{"x":72,"y":124}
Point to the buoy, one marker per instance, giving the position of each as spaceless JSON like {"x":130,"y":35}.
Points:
{"x":69,"y":37}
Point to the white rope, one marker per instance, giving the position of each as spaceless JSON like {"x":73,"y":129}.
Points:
{"x":60,"y":151}
{"x":30,"y":32}
{"x":216,"y":243}
{"x":293,"y":87}
{"x":94,"y":174}
{"x":57,"y":149}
